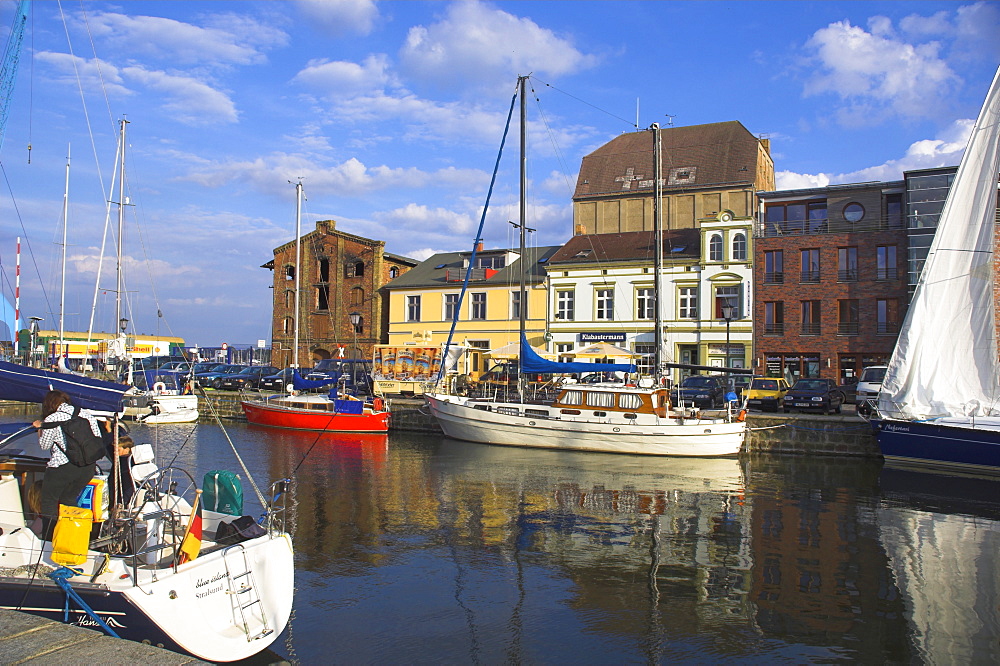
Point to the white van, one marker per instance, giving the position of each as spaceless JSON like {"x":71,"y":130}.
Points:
{"x":869,"y":384}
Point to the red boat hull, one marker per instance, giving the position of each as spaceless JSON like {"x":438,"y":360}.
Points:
{"x":292,"y":418}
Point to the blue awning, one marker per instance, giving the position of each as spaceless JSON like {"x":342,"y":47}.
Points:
{"x":531,"y":362}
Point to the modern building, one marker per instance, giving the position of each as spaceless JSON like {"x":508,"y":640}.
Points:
{"x":342,"y":304}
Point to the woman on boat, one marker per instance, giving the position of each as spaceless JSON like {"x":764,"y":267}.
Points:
{"x":63,"y":481}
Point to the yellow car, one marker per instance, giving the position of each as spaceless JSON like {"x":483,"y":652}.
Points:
{"x":765,"y":393}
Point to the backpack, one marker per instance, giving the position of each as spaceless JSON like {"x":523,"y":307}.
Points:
{"x":82,"y":446}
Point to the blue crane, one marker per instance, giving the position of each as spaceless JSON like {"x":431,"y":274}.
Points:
{"x":11,"y":57}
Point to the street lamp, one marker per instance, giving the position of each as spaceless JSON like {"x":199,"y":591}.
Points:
{"x":355,"y":318}
{"x":729,"y":314}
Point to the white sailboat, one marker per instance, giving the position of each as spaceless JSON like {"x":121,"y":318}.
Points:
{"x":940,"y":399}
{"x":600,"y":417}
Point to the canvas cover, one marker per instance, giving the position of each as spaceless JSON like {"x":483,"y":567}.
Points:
{"x":223,"y":492}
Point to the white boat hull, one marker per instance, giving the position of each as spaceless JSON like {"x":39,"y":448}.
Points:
{"x":703,"y":437}
{"x":176,"y":416}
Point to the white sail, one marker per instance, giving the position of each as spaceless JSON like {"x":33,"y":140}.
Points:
{"x":945,"y":360}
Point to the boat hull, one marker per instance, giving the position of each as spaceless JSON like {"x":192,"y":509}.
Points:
{"x":292,"y":418}
{"x":695,"y":437}
{"x":941,"y":445}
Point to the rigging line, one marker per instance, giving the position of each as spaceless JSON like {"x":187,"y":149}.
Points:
{"x":555,"y":146}
{"x":239,"y":458}
{"x":97,"y":63}
{"x":582,"y":101}
{"x":27,"y":240}
{"x":104,"y":241}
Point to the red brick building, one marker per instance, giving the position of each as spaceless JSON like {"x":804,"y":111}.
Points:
{"x":830,"y":279}
{"x":341,"y":275}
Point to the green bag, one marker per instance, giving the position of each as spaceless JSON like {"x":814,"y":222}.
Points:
{"x":223,"y":492}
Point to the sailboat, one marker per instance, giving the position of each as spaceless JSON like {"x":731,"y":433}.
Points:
{"x":607,"y":418}
{"x":940,"y":399}
{"x":334,"y":411}
{"x":229,"y":602}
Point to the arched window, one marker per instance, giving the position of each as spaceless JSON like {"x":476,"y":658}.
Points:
{"x":289,"y":272}
{"x":289,"y":298}
{"x":393,"y":272}
{"x":355,"y":269}
{"x":715,"y":248}
{"x":740,"y":247}
{"x":289,"y":326}
{"x":357,"y":296}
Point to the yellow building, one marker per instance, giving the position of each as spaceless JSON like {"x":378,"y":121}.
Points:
{"x":424,"y":302}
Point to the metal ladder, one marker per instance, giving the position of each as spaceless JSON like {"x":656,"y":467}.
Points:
{"x":243,"y":592}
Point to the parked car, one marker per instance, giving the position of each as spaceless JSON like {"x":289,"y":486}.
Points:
{"x":869,"y":384}
{"x":206,"y":366}
{"x":705,"y":391}
{"x":739,"y":384}
{"x":176,"y":366}
{"x":849,"y":388}
{"x":814,"y":393}
{"x":279,"y":381}
{"x":355,"y":375}
{"x":766,"y":393}
{"x":208,"y":379}
{"x":247,"y":378}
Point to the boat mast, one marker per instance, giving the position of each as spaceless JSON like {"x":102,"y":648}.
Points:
{"x":121,"y":233}
{"x":298,"y":267}
{"x":62,"y":293}
{"x":658,"y":253}
{"x":523,"y":211}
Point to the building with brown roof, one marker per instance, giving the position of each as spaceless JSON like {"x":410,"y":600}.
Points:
{"x":706,"y":169}
{"x":341,"y":275}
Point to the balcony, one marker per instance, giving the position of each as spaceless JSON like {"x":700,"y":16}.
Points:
{"x":847,"y":328}
{"x":476,"y":275}
{"x":809,"y":277}
{"x":774,"y":328}
{"x":774,"y":278}
{"x":886,"y":328}
{"x":886,"y":274}
{"x":847,"y":275}
{"x":811,"y":328}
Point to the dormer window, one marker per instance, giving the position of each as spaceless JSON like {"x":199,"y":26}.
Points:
{"x":583,"y":254}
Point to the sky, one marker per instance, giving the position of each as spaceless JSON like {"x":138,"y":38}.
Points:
{"x":391,"y":115}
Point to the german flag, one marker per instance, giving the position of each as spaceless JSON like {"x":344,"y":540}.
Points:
{"x":191,"y":544}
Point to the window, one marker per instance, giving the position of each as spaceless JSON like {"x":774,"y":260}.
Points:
{"x":478,"y":305}
{"x":854,"y":212}
{"x":393,"y":272}
{"x":795,"y":218}
{"x":323,"y":297}
{"x":774,"y":318}
{"x":885,"y":258}
{"x":289,"y":298}
{"x":727,"y":296}
{"x":647,"y":356}
{"x":562,"y":349}
{"x":644,"y":305}
{"x":450,"y":307}
{"x":894,"y":210}
{"x":289,"y":272}
{"x":810,"y":318}
{"x":515,"y":305}
{"x":847,"y":264}
{"x":774,"y":267}
{"x":740,"y":247}
{"x":849,"y":311}
{"x":572,"y":398}
{"x":605,"y":304}
{"x":494,"y":261}
{"x":715,"y":248}
{"x":688,"y":300}
{"x":355,"y":269}
{"x":886,"y":317}
{"x":810,"y":266}
{"x":629,"y":401}
{"x":357,"y":296}
{"x":565,"y":304}
{"x":288,"y":326}
{"x":412,"y":308}
{"x":600,"y":399}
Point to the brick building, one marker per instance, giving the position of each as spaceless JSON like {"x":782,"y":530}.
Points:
{"x":830,"y":279}
{"x":341,"y":275}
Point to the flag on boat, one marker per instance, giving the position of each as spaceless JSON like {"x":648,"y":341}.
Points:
{"x":191,"y":544}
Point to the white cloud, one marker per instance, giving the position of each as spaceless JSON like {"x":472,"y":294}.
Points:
{"x":188,"y":100}
{"x":476,"y":45}
{"x":340,"y":17}
{"x":340,"y":78}
{"x":946,"y":150}
{"x":876,"y":75}
{"x":436,"y":220}
{"x":94,"y":74}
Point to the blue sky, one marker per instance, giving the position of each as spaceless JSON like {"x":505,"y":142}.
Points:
{"x":391,"y":114}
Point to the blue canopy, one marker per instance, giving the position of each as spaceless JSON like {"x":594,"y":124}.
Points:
{"x":24,"y":384}
{"x":531,"y":362}
{"x":302,"y":384}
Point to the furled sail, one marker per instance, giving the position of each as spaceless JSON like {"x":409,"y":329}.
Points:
{"x":531,"y":362}
{"x":945,"y":360}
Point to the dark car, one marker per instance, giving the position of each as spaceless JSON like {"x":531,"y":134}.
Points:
{"x":206,"y":366}
{"x":279,"y":381}
{"x":354,"y":374}
{"x":705,"y":391}
{"x":818,"y":394}
{"x":248,"y":378}
{"x":208,"y":379}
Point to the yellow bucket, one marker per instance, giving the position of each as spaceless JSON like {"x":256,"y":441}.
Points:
{"x":71,"y":538}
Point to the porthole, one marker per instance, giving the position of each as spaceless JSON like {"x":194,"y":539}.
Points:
{"x":853,"y":212}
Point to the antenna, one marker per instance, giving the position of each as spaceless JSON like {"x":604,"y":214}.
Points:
{"x":637,"y":113}
{"x":670,"y":119}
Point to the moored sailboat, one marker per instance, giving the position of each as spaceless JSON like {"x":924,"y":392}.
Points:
{"x":940,"y":400}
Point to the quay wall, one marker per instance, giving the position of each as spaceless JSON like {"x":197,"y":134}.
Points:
{"x":803,"y":434}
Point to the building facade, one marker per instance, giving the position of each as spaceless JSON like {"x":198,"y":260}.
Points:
{"x":342,"y":305}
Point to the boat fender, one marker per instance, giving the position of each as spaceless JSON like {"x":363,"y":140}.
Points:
{"x":377,"y":404}
{"x":742,"y":416}
{"x":159,"y":387}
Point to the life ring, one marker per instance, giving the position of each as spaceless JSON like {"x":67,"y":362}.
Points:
{"x":377,"y":404}
{"x":159,"y":388}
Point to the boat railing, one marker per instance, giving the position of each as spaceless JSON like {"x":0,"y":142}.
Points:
{"x":277,"y":513}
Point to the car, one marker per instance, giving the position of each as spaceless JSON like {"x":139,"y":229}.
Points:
{"x":849,"y":387}
{"x":869,"y":385}
{"x":176,"y":366}
{"x":813,"y":393}
{"x":246,"y":378}
{"x":766,"y":393}
{"x":206,"y":366}
{"x":739,"y":384}
{"x":279,"y":381}
{"x":355,"y":375}
{"x":705,"y":391}
{"x":208,"y":379}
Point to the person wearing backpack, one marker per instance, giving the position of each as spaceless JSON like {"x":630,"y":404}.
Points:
{"x":63,"y":481}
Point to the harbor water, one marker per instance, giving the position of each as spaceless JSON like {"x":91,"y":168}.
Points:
{"x":420,"y":549}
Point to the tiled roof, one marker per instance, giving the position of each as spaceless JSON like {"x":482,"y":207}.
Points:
{"x":433,"y":271}
{"x":600,"y":248}
{"x":694,"y":156}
